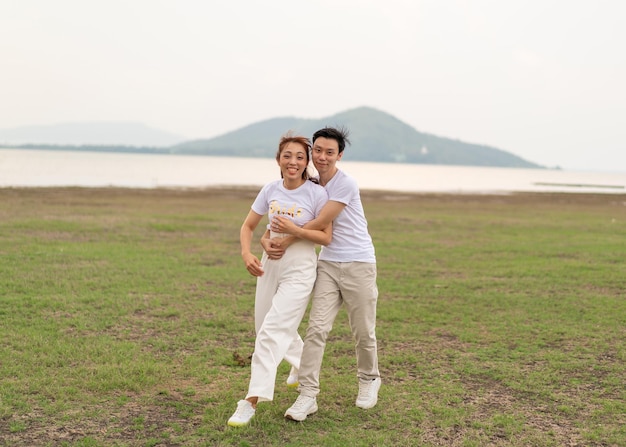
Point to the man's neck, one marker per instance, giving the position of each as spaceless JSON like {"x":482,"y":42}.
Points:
{"x":328,"y":177}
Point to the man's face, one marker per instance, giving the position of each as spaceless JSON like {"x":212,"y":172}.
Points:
{"x":325,"y":154}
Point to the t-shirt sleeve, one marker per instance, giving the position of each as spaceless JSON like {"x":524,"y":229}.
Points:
{"x":321,"y":197}
{"x":344,"y":191}
{"x":261,"y":203}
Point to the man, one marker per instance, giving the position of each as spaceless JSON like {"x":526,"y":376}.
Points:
{"x":346,"y":274}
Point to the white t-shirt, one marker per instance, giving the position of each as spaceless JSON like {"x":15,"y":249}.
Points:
{"x":351,"y":239}
{"x":301,"y":204}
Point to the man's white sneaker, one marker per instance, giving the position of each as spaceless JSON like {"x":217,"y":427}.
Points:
{"x":292,"y":380}
{"x":242,"y":415}
{"x":302,"y":407}
{"x":368,"y":393}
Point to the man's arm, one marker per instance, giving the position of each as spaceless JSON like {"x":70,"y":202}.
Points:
{"x":287,"y":226}
{"x":329,"y":212}
{"x":325,"y":218}
{"x":275,"y":248}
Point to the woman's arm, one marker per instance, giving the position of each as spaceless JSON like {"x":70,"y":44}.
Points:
{"x":253,"y":264}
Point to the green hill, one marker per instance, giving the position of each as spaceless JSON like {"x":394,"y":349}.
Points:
{"x":375,"y":135}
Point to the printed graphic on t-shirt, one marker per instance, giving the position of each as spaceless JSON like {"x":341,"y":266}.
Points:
{"x":293,"y":210}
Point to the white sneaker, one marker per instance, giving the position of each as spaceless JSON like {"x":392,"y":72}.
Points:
{"x":302,"y":407}
{"x":242,"y":415}
{"x":292,"y":380}
{"x":368,"y":393}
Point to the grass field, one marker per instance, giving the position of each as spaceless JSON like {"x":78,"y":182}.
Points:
{"x":127,"y":320}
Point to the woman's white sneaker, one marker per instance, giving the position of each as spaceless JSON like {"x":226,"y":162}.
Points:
{"x":243,"y":414}
{"x":292,"y":380}
{"x":368,"y":393}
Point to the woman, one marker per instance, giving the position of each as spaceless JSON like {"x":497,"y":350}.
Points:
{"x":284,"y":285}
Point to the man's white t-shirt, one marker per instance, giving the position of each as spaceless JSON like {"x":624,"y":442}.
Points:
{"x":351,"y":239}
{"x":301,"y":204}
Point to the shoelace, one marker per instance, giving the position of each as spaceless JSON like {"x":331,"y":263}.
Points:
{"x":365,"y":390}
{"x":299,"y":403}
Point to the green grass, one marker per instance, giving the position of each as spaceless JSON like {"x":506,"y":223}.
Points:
{"x":127,"y":320}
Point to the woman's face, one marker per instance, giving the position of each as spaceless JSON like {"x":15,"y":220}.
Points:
{"x":293,"y":161}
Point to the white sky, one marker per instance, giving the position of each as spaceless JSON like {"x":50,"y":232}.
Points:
{"x":543,"y":79}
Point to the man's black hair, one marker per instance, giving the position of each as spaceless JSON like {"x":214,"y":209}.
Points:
{"x":339,"y":134}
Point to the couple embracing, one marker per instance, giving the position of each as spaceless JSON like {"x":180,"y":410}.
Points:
{"x":303,"y":212}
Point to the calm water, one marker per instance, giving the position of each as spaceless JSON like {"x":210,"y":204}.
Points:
{"x":34,"y":168}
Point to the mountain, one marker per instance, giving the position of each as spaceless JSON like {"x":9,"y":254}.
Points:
{"x":375,"y":135}
{"x":90,"y":133}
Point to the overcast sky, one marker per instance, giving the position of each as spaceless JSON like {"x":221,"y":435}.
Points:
{"x":543,"y":79}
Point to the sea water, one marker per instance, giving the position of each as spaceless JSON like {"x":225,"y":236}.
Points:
{"x":44,"y":168}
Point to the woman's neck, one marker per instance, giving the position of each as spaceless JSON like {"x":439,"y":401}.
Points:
{"x":293,"y":184}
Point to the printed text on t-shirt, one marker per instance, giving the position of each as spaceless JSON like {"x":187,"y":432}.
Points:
{"x":275,"y":208}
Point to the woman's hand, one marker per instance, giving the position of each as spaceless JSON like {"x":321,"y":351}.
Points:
{"x":253,"y":264}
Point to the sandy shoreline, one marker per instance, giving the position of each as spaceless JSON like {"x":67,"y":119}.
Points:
{"x":249,"y":192}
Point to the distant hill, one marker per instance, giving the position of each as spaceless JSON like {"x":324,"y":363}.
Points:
{"x":90,"y":133}
{"x":375,"y":135}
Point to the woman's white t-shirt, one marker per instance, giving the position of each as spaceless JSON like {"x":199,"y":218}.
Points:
{"x":301,"y":204}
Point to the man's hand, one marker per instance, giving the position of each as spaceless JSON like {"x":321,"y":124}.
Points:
{"x":275,"y":248}
{"x":253,"y":265}
{"x":281,"y":224}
